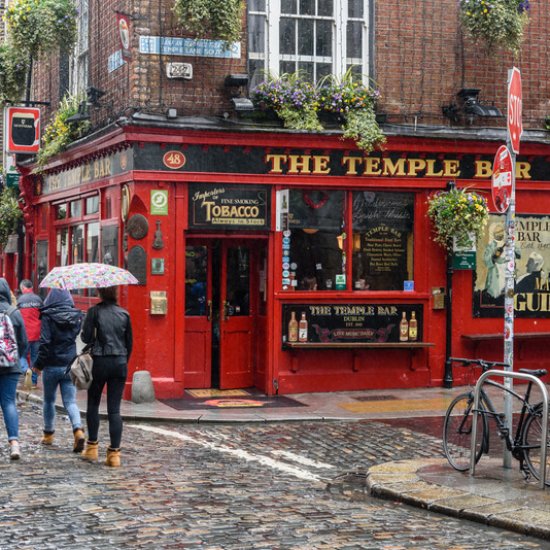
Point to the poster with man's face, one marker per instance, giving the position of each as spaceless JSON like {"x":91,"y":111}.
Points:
{"x":532,"y":266}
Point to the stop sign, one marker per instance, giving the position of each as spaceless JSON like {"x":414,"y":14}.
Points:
{"x":515,"y":126}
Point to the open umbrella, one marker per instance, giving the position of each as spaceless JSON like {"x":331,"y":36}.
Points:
{"x":87,"y":275}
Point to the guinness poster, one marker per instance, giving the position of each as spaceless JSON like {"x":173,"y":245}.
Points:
{"x":532,"y":251}
{"x":218,"y":206}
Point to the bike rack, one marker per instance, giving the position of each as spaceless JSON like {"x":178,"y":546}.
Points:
{"x":544,"y":434}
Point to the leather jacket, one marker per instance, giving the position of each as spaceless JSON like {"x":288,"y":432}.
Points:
{"x":108,"y":327}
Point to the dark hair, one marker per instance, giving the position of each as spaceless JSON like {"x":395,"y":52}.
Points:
{"x":108,"y":294}
{"x":25,"y":283}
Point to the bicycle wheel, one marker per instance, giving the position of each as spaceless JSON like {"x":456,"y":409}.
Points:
{"x":531,"y":438}
{"x":457,"y":432}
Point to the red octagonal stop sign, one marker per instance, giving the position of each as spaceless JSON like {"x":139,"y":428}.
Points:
{"x":515,"y":125}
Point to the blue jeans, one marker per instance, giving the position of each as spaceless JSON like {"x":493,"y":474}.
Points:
{"x":32,"y":349}
{"x":51,"y":378}
{"x":8,"y":387}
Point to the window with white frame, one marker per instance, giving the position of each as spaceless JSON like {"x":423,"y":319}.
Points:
{"x":79,"y":81}
{"x":316,"y":37}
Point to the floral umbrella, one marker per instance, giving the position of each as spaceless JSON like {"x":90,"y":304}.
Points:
{"x":87,"y":275}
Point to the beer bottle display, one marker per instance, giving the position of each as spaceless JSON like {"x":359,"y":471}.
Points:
{"x":302,"y":328}
{"x":404,"y":328}
{"x":293,"y":328}
{"x":413,"y":328}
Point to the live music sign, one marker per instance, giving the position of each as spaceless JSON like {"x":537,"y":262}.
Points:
{"x":515,"y":100}
{"x":22,"y":130}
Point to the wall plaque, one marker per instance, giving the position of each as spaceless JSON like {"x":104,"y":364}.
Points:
{"x":137,"y":264}
{"x":137,"y":226}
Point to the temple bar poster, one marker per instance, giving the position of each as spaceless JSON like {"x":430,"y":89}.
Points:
{"x":532,"y":251}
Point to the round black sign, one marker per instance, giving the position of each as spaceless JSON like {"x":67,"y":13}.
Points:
{"x":137,"y":226}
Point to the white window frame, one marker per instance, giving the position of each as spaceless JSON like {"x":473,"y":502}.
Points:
{"x":339,"y":59}
{"x":80,"y":58}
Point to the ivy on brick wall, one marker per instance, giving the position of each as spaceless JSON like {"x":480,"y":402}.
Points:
{"x":13,"y":73}
{"x":10,"y":213}
{"x":216,"y":19}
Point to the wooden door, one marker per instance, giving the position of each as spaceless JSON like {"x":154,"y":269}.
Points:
{"x":237,"y":314}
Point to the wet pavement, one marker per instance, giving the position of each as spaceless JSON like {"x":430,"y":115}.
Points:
{"x":384,"y":457}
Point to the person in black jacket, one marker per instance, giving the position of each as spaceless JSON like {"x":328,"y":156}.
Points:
{"x":108,"y":328}
{"x":61,"y":323}
{"x":9,"y":375}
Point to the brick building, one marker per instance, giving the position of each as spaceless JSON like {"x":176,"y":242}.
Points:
{"x":236,"y":227}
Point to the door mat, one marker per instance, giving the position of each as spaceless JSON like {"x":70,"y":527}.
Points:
{"x":188,"y":403}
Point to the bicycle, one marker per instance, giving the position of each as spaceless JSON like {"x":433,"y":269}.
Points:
{"x":457,"y":428}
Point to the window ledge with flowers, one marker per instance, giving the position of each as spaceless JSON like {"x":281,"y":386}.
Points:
{"x":457,"y":215}
{"x":498,"y":23}
{"x":302,"y":106}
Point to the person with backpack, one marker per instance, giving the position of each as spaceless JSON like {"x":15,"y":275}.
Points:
{"x":13,"y":343}
{"x":29,"y":305}
{"x":61,"y":323}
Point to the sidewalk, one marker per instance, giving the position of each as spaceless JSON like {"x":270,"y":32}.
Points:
{"x":494,"y":496}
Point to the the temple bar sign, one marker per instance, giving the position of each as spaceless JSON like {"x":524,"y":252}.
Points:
{"x":221,"y":206}
{"x":22,"y":130}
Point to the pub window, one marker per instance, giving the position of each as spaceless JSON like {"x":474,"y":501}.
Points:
{"x":92,"y":242}
{"x":109,"y":244}
{"x":382,"y":240}
{"x":316,"y":241}
{"x":196,"y":273}
{"x":92,"y":205}
{"x":62,"y":247}
{"x":60,"y":211}
{"x":76,"y":209}
{"x":77,"y":244}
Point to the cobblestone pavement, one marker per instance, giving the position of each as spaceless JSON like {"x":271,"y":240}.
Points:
{"x":261,"y":486}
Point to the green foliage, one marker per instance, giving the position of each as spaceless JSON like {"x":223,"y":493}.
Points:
{"x":40,"y":26}
{"x":362,"y":127}
{"x":59,"y":133}
{"x":10,"y":214}
{"x":499,"y":23}
{"x":457,"y":214}
{"x":13,"y":73}
{"x":217,"y":19}
{"x":293,"y":98}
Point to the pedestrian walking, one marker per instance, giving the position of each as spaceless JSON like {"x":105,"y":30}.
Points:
{"x":61,"y":323}
{"x":108,"y":328}
{"x":13,"y":343}
{"x":29,"y":305}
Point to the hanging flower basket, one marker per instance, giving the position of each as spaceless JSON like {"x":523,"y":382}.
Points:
{"x":499,"y":23}
{"x":457,"y":215}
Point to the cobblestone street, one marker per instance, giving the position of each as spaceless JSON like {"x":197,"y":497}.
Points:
{"x":250,"y":486}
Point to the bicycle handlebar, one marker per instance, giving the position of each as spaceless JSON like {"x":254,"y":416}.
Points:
{"x":485,"y":365}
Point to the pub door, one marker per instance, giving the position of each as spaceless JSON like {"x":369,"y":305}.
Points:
{"x":221,"y":300}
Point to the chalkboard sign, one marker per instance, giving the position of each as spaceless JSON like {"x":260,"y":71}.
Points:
{"x":379,"y":323}
{"x":218,"y":206}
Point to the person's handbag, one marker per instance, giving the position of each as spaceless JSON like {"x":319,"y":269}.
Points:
{"x":80,"y":369}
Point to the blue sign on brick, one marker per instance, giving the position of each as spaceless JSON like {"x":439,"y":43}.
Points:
{"x":166,"y":45}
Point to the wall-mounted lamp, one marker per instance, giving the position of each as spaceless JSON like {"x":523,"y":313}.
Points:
{"x":236,"y":86}
{"x":470,"y":106}
{"x":94,"y":95}
{"x":81,"y":115}
{"x":241,"y":104}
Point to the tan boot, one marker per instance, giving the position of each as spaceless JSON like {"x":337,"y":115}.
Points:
{"x":90,"y":451}
{"x":113,"y":458}
{"x":47,"y":438}
{"x":78,"y":441}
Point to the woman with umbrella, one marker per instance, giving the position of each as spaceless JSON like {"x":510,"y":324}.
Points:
{"x":61,"y":323}
{"x":108,"y":328}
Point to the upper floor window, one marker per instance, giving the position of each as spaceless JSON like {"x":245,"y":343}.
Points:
{"x":317,"y":37}
{"x":79,"y":75}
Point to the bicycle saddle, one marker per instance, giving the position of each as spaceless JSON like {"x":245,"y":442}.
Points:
{"x":535,"y":372}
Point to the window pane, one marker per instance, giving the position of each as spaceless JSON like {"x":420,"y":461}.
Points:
{"x":307,"y":70}
{"x":77,"y":244}
{"x":287,"y":36}
{"x":307,"y":7}
{"x":288,"y":6}
{"x":355,"y":8}
{"x":256,"y":33}
{"x":109,"y":245}
{"x":256,"y":5}
{"x":196,"y":271}
{"x":287,"y":67}
{"x":316,"y":221}
{"x":60,"y":211}
{"x":354,"y":36}
{"x":256,"y":70}
{"x":325,"y":7}
{"x":76,"y":209}
{"x":356,"y":71}
{"x":305,"y":32}
{"x":62,"y":247}
{"x":92,"y":204}
{"x":238,"y":281}
{"x":382,"y":240}
{"x":323,"y":69}
{"x":92,"y":242}
{"x":324,"y":39}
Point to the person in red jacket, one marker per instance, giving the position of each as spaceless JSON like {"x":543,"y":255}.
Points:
{"x":29,"y":305}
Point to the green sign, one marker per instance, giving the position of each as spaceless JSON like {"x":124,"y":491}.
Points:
{"x":159,"y":202}
{"x":12,"y":180}
{"x":465,"y":259}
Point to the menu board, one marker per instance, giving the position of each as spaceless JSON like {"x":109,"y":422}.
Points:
{"x":375,"y":323}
